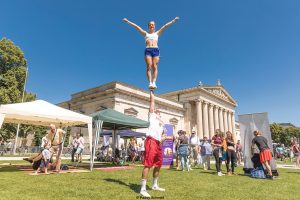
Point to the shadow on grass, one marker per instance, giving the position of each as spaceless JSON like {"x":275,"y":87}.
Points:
{"x":298,"y":172}
{"x":132,"y":186}
{"x":8,"y":169}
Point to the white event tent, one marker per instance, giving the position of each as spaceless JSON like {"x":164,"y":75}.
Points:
{"x":42,"y":113}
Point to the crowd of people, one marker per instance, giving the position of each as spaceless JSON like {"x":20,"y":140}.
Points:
{"x":6,"y":147}
{"x":193,"y":151}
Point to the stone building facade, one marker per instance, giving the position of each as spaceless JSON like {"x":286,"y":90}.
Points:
{"x":201,"y":108}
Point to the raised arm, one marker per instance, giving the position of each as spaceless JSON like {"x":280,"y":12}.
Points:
{"x":159,"y":32}
{"x":152,"y":102}
{"x":135,"y":26}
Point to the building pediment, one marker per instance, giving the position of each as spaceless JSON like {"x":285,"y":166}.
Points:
{"x":220,"y":92}
{"x":131,"y":111}
{"x":173,"y":121}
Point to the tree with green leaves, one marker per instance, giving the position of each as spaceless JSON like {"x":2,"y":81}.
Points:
{"x":13,"y":72}
{"x":283,"y":135}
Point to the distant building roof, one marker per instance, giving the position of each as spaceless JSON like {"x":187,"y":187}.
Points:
{"x":287,"y":125}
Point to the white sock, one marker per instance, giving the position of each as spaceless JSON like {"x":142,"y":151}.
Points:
{"x":144,"y":182}
{"x":155,"y":181}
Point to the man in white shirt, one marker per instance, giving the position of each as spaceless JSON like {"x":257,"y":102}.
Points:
{"x":194,"y":144}
{"x":153,"y":148}
{"x":55,"y":138}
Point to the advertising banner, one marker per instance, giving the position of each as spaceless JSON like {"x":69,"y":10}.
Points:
{"x":167,"y":146}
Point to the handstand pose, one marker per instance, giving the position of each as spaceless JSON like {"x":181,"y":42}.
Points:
{"x":151,"y":51}
{"x":153,"y":148}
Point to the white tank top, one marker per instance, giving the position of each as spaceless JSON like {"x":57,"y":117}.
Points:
{"x":155,"y":128}
{"x":151,"y":36}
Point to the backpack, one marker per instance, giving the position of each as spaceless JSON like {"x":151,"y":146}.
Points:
{"x":258,"y":173}
{"x":64,"y":167}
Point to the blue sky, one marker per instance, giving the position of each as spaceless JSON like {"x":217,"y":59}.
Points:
{"x":253,"y":47}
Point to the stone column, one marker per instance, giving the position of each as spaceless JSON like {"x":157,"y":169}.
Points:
{"x":211,"y":121}
{"x":188,"y":117}
{"x":199,"y":118}
{"x":221,"y":120}
{"x":205,"y":120}
{"x":230,"y":122}
{"x":216,"y":117}
{"x":225,"y":121}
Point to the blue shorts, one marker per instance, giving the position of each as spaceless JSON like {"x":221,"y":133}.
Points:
{"x":152,"y":52}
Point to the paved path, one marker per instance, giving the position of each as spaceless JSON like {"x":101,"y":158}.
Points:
{"x":284,"y":166}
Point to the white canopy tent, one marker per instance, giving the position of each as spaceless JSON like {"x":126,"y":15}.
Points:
{"x":42,"y":113}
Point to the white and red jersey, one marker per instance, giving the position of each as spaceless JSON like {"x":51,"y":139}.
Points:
{"x":156,"y":126}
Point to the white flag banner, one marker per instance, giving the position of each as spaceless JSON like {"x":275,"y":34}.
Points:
{"x":2,"y":116}
{"x":248,"y":124}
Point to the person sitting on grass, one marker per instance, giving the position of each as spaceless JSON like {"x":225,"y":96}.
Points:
{"x":46,"y":156}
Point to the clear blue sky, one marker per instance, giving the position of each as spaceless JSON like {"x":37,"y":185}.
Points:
{"x":252,"y":46}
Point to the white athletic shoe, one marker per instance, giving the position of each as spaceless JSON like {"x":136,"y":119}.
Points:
{"x":220,"y":174}
{"x":151,"y":87}
{"x":157,"y":188}
{"x":144,"y":193}
{"x":154,"y":85}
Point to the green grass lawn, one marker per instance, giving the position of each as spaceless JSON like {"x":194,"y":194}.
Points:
{"x":196,"y":184}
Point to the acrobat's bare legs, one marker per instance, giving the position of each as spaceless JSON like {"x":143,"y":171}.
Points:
{"x":155,"y":61}
{"x":149,"y":64}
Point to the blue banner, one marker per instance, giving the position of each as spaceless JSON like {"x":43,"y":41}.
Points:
{"x":167,"y":146}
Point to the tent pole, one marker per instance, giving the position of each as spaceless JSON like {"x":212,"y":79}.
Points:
{"x":63,"y":142}
{"x":98,"y":130}
{"x":18,"y":128}
{"x":16,"y":139}
{"x":114,"y":141}
{"x":94,"y":147}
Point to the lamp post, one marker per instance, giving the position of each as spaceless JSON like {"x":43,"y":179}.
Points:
{"x":18,"y":127}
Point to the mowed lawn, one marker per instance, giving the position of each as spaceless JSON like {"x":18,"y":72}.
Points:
{"x":125,"y":184}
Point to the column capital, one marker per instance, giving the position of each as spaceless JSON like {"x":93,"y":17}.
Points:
{"x":211,"y":104}
{"x":187,"y":104}
{"x":198,"y":100}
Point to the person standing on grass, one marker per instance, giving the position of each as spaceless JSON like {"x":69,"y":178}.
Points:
{"x":74,"y":146}
{"x":230,"y":153}
{"x":194,"y":149}
{"x":184,"y":151}
{"x":176,"y":146}
{"x":153,"y":148}
{"x":239,"y":153}
{"x":80,"y":148}
{"x":55,"y":137}
{"x":217,"y":150}
{"x":151,"y":54}
{"x":296,"y":151}
{"x":206,"y":152}
{"x":265,"y":155}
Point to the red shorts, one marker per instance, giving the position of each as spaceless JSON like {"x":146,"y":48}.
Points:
{"x":265,"y":155}
{"x":153,"y":153}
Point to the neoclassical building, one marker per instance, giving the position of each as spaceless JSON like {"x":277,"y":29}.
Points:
{"x":201,"y":108}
